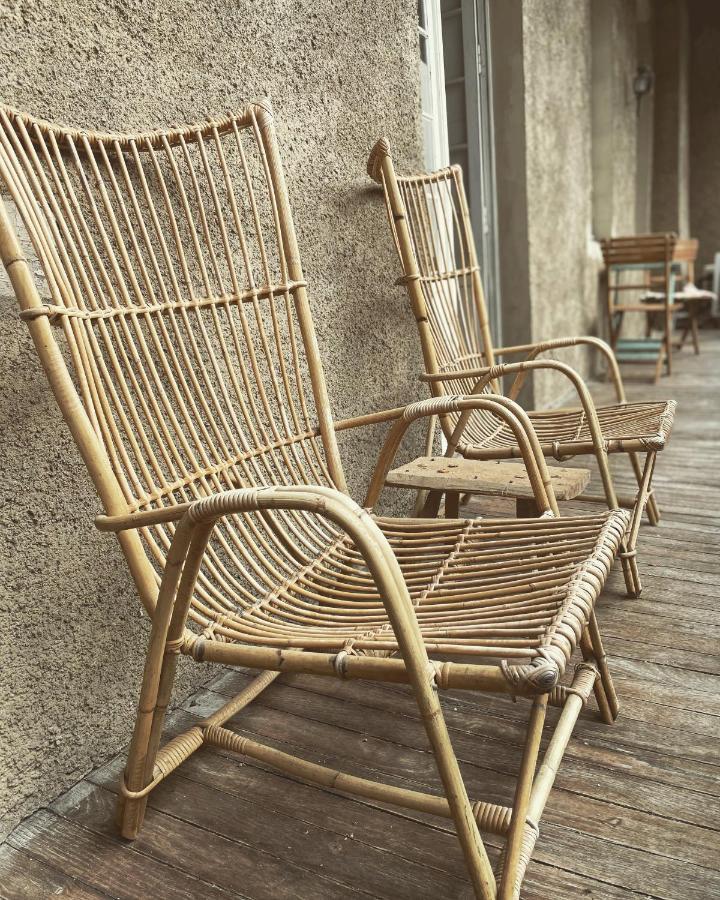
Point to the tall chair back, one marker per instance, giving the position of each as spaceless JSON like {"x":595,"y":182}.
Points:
{"x":176,"y":332}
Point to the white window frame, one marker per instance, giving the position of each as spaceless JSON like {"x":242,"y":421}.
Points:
{"x":434,"y":110}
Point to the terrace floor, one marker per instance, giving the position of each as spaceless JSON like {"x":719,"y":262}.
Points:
{"x":634,"y":814}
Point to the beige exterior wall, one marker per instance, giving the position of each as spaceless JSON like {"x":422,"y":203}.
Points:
{"x":563,"y":274}
{"x":705,"y":127}
{"x":671,"y":154}
{"x":566,"y":114}
{"x":70,"y":623}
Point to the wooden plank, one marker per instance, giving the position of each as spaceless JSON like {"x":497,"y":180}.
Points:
{"x":695,"y":756}
{"x":492,"y":477}
{"x":483,"y":751}
{"x":246,"y":849}
{"x":22,"y":877}
{"x":392,"y":832}
{"x":111,"y":866}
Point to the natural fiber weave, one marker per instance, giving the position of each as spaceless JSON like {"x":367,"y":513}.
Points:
{"x":431,"y":228}
{"x":179,"y":344}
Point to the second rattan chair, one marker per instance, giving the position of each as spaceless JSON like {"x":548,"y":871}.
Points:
{"x":431,"y":227}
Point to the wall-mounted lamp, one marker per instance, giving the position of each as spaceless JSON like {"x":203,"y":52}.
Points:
{"x":643,"y":82}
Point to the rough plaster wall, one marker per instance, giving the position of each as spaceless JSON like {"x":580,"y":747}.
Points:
{"x":614,"y":136}
{"x":670,"y":201}
{"x":624,"y":156}
{"x":614,"y":131}
{"x":563,"y":263}
{"x":705,"y":127}
{"x":340,"y":74}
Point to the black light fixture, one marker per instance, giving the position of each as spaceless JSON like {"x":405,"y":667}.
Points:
{"x":643,"y":82}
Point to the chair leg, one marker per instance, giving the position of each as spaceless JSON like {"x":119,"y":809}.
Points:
{"x":600,"y":659}
{"x":431,"y":506}
{"x":421,"y":496}
{"x":633,"y":585}
{"x":652,"y":508}
{"x":181,"y":567}
{"x":598,"y":687}
{"x":628,"y":551}
{"x":158,"y":679}
{"x":452,"y":504}
{"x":695,"y":334}
{"x":515,"y":839}
{"x":476,"y":858}
{"x":526,"y":508}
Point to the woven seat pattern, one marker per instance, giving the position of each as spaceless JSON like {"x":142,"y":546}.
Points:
{"x":486,"y":588}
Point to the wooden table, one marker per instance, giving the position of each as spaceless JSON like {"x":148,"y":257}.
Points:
{"x":495,"y":478}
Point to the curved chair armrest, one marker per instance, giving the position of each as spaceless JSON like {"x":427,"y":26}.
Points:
{"x":490,"y":373}
{"x":373,"y":418}
{"x":144,"y":519}
{"x":531,"y":351}
{"x":503,"y":408}
{"x":196,"y":521}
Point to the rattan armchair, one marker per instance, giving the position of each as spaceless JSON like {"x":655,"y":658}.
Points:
{"x":430,"y":225}
{"x":178,"y":341}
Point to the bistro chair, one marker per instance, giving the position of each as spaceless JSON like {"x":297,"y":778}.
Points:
{"x":430,"y":225}
{"x":176,"y":335}
{"x":687,"y":301}
{"x":635,"y":264}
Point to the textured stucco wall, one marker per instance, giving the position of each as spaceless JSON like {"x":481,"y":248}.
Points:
{"x":671,"y":160}
{"x":705,"y":127}
{"x":614,"y":117}
{"x":615,"y":132}
{"x":578,"y":133}
{"x":563,"y":263}
{"x":339,"y":75}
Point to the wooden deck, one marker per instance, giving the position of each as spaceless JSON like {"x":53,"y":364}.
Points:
{"x":635,"y":811}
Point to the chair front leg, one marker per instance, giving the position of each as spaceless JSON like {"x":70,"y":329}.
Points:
{"x":511,"y":860}
{"x":183,"y":562}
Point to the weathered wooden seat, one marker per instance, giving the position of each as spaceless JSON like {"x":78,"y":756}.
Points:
{"x":179,"y":344}
{"x":430,"y":225}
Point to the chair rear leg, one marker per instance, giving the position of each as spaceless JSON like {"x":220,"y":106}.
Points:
{"x":652,"y":509}
{"x":628,"y":551}
{"x":598,"y":688}
{"x":600,"y":660}
{"x":631,"y":574}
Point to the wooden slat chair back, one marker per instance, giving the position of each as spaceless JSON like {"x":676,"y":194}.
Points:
{"x":638,"y":249}
{"x":642,"y":258}
{"x":448,"y":299}
{"x":175,"y":282}
{"x":177,"y":338}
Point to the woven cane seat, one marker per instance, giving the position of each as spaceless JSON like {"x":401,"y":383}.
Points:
{"x":626,"y":426}
{"x":508,"y":588}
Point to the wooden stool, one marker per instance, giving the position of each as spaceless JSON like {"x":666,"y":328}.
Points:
{"x":496,"y":478}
